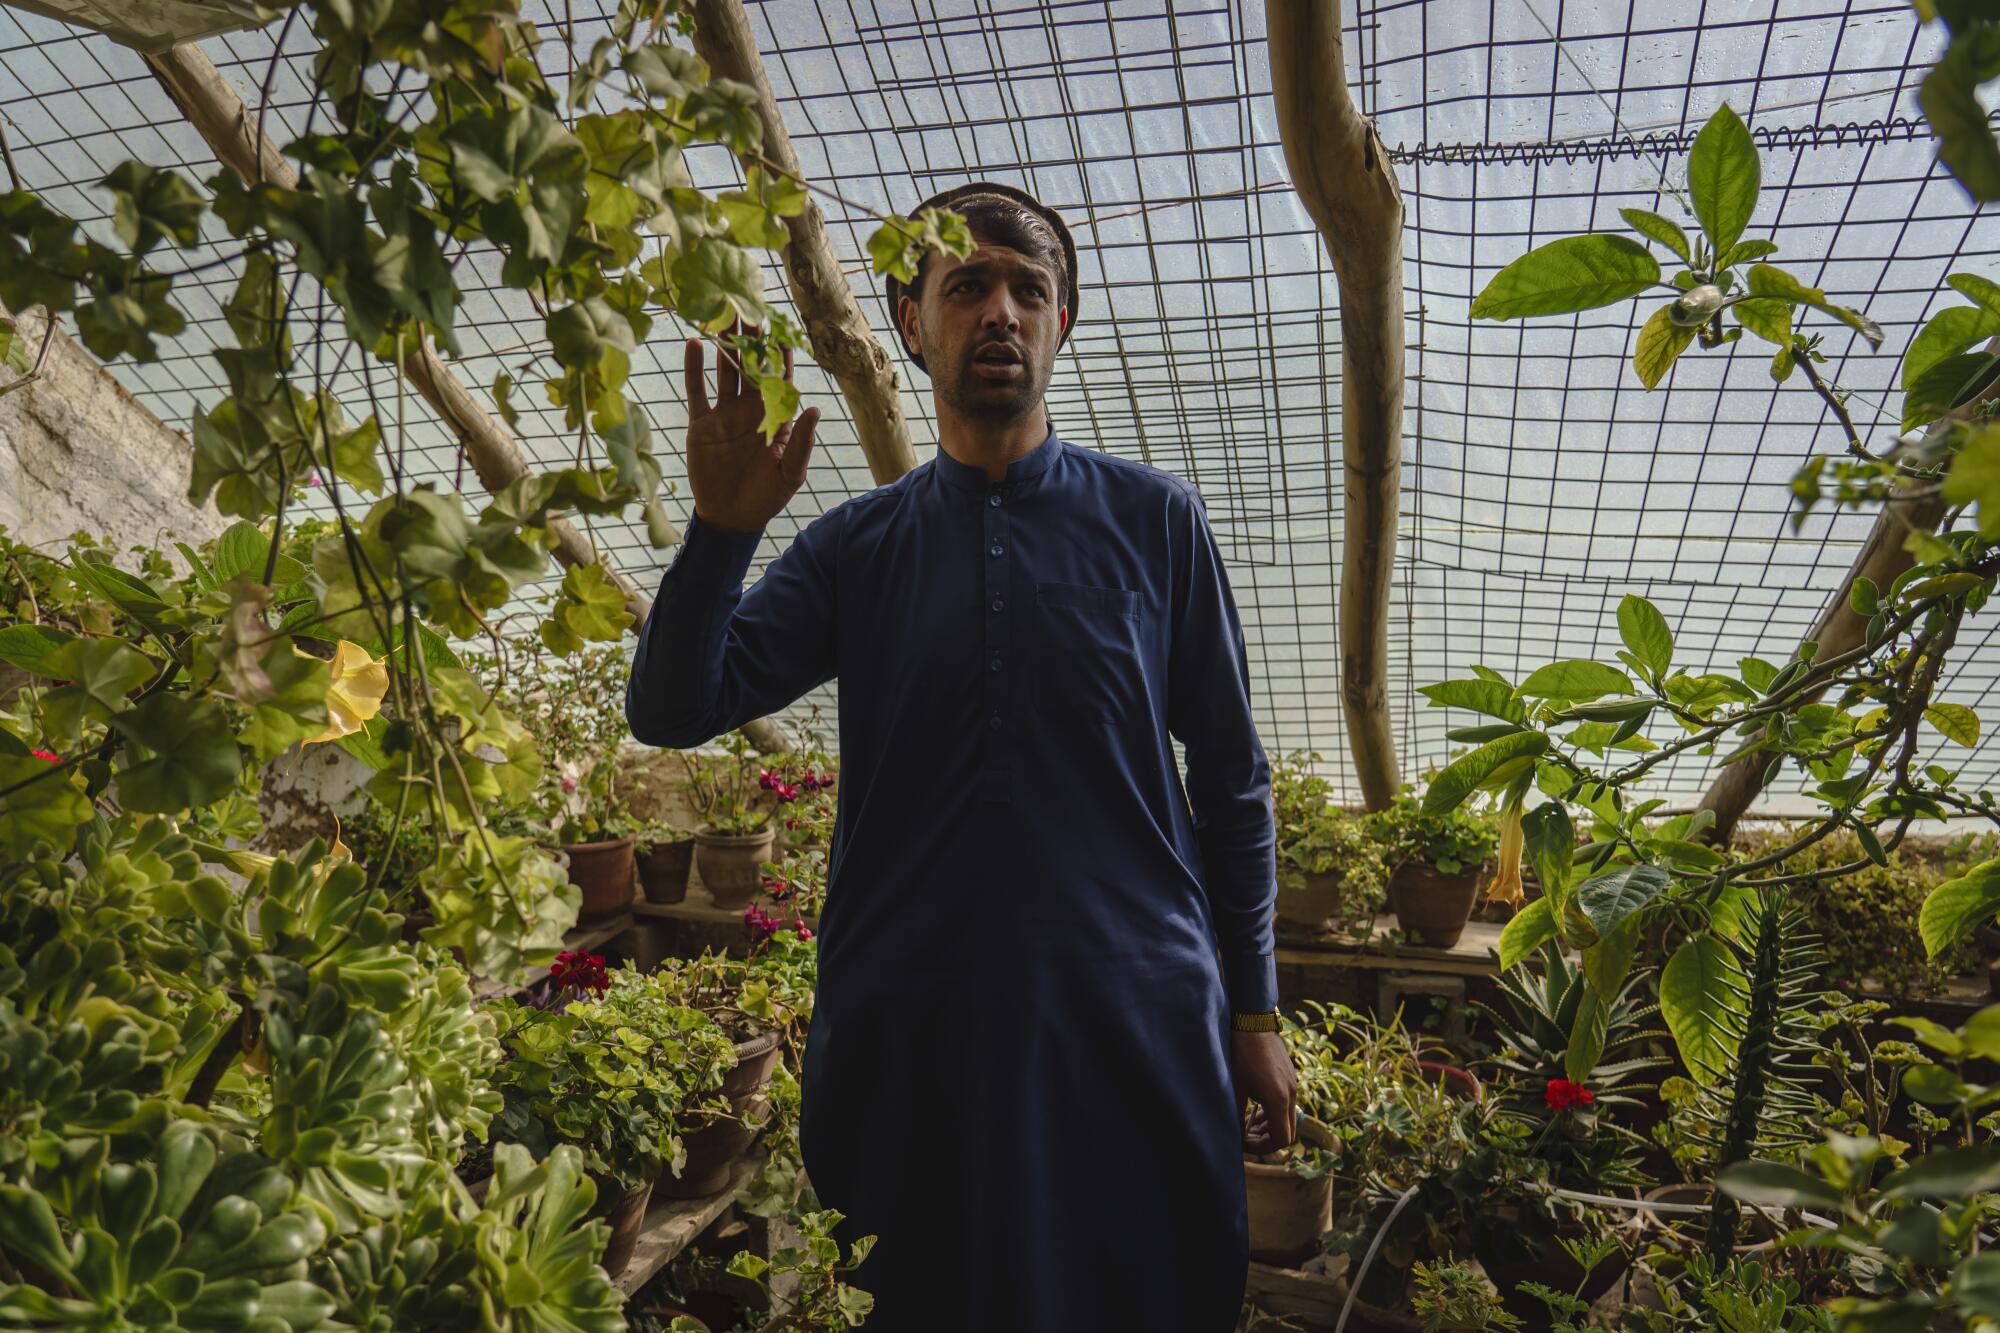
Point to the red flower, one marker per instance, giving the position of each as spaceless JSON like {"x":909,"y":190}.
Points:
{"x":578,"y":969}
{"x":49,"y":755}
{"x":762,"y":924}
{"x":1561,"y":1094}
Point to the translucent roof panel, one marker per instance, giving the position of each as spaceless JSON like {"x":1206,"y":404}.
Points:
{"x":1541,"y":484}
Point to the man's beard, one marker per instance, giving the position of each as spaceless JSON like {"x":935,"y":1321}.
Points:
{"x":992,"y":403}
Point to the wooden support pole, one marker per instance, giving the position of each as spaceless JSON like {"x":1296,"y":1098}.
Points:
{"x":1838,"y":630}
{"x":231,"y":131}
{"x":841,"y":339}
{"x":1342,"y":174}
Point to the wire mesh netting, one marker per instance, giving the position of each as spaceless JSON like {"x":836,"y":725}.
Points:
{"x":1541,"y":484}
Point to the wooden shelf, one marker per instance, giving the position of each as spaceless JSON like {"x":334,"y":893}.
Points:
{"x":672,"y":1223}
{"x":1473,"y":955}
{"x":698,"y":907}
{"x":589,"y":936}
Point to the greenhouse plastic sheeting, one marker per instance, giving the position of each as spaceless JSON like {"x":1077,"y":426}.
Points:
{"x":1541,"y":483}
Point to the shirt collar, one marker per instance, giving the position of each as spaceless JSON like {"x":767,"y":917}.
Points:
{"x":1030,"y":465}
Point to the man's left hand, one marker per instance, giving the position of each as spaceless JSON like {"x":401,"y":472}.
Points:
{"x":1263,"y":1071}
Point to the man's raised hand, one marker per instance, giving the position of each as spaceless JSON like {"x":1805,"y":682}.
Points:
{"x":740,"y":482}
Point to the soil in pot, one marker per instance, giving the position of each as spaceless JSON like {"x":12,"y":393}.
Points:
{"x":1431,"y":906}
{"x":627,"y":1215}
{"x":663,"y":870}
{"x":1308,"y":897}
{"x":607,"y":875}
{"x":729,"y":863}
{"x":714,"y":1147}
{"x":1288,"y":1213}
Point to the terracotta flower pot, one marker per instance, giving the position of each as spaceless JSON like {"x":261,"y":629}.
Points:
{"x":1431,"y":905}
{"x":606,"y":873}
{"x":1458,"y":1082}
{"x":713,"y":1148}
{"x":1309,"y":897}
{"x":627,"y":1217}
{"x":729,"y":863}
{"x":663,"y":870}
{"x":1288,"y":1213}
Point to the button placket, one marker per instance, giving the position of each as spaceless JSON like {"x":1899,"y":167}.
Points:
{"x":995,"y":784}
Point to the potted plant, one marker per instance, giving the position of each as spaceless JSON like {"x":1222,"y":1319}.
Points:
{"x":762,"y":1003}
{"x":735,"y":837}
{"x":1330,"y":869}
{"x":1435,"y":864}
{"x":666,"y":858}
{"x":614,"y":1066}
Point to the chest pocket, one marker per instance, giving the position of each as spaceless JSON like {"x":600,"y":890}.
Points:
{"x":1088,"y":665}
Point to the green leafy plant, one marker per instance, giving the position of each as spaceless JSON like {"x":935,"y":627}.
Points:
{"x":1450,"y":1296}
{"x":616,"y":1076}
{"x":724,"y":789}
{"x":1449,"y":838}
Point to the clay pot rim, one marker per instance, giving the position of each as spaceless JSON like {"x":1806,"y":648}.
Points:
{"x":601,"y":845}
{"x":1276,"y":1169}
{"x":1649,"y":1219}
{"x":752,"y":1047}
{"x":709,"y":835}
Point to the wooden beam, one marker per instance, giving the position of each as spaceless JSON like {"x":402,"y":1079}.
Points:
{"x":842,"y":341}
{"x":1343,"y":176}
{"x":233,"y":134}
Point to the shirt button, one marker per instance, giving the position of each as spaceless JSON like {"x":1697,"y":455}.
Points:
{"x":996,"y":664}
{"x":993,"y":500}
{"x":999,"y":603}
{"x":996,"y":548}
{"x":994,"y":722}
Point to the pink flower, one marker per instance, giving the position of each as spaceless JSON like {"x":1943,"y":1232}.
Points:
{"x":312,"y":479}
{"x":569,"y":784}
{"x":49,"y":756}
{"x":1561,"y":1094}
{"x":762,"y":924}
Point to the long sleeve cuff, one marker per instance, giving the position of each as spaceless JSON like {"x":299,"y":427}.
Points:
{"x":707,"y":553}
{"x":1250,"y":980}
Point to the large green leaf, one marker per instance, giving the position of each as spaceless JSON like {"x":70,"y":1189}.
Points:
{"x":1974,"y":478}
{"x":1945,"y":385}
{"x":1646,"y":634}
{"x":1576,"y":680}
{"x":1550,"y":842}
{"x":1656,"y":228}
{"x":28,"y":646}
{"x":1608,"y":899}
{"x":41,"y":804}
{"x":1951,"y":332}
{"x":1724,"y":176}
{"x":1530,"y":928}
{"x":1608,"y":962}
{"x":1586,"y":1037}
{"x":1565,"y":276}
{"x":1776,"y":1185}
{"x":719,"y":283}
{"x":1949,"y":96}
{"x":1450,"y":788}
{"x":190,"y":757}
{"x":1480,"y":696}
{"x":1696,"y":1001}
{"x":1766,"y":280}
{"x":1661,"y":342}
{"x":1957,"y":905}
{"x":1951,"y":1173}
{"x":1956,"y":722}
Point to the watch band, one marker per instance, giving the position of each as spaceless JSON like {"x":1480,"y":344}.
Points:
{"x":1255,"y":1022}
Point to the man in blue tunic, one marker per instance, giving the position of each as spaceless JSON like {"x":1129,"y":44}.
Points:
{"x":1046,"y":973}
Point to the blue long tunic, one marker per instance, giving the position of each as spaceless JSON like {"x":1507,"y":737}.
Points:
{"x":1016,"y":1074}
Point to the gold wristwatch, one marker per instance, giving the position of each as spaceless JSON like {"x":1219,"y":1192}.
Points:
{"x":1255,"y":1022}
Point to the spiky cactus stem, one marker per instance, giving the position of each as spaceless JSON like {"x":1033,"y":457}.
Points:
{"x":1755,"y":1054}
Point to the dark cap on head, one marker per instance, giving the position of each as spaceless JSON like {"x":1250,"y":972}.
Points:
{"x":956,"y":199}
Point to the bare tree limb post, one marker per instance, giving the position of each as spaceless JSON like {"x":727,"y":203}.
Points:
{"x":842,"y":341}
{"x":231,"y":132}
{"x":1343,"y":175}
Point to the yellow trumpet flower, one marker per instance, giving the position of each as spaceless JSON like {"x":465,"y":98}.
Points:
{"x":355,"y":687}
{"x":1505,"y":886}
